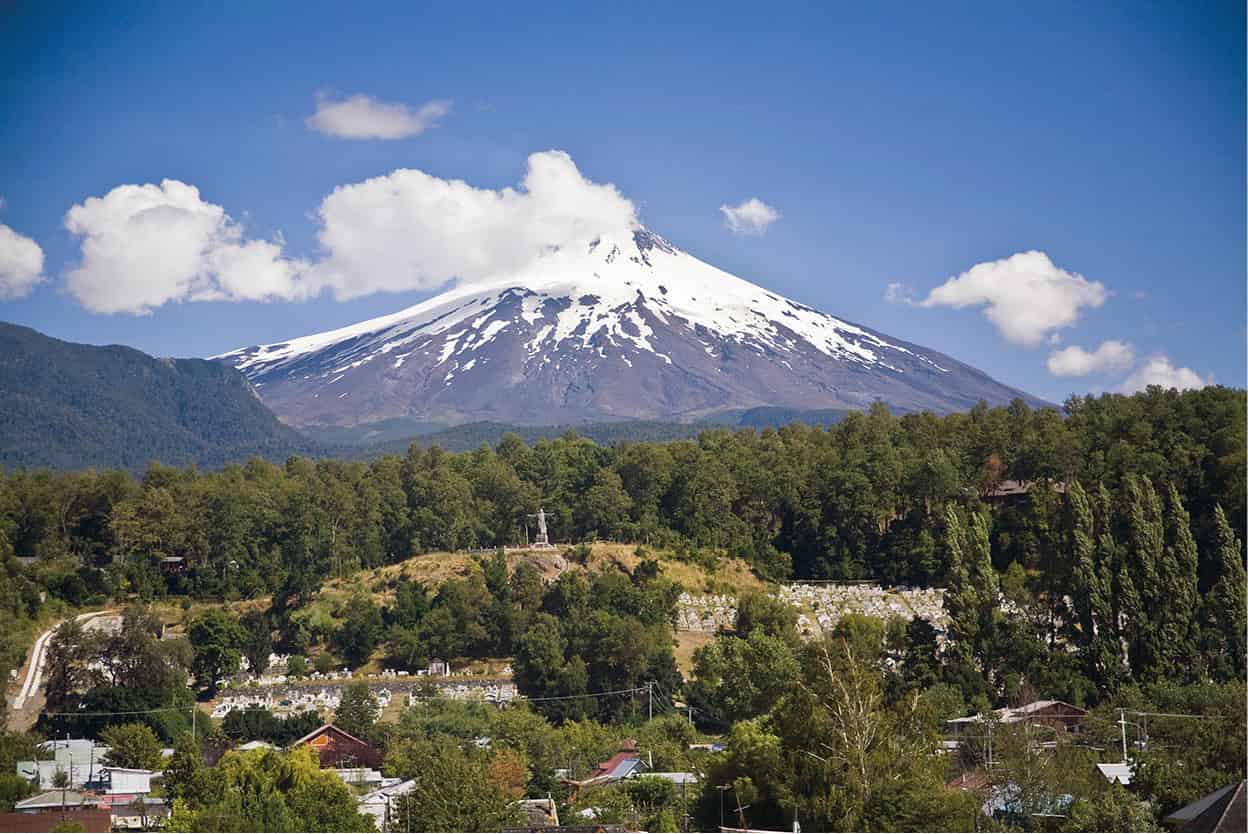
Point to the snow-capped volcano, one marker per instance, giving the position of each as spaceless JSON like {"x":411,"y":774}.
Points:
{"x":620,"y":329}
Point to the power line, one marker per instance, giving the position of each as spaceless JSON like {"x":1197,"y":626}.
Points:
{"x":119,"y":712}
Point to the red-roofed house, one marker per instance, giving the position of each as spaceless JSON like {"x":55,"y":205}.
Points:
{"x":339,"y":749}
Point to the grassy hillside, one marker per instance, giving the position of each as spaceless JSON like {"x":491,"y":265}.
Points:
{"x":728,"y":575}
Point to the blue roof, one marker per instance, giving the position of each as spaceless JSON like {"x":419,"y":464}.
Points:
{"x":624,"y":769}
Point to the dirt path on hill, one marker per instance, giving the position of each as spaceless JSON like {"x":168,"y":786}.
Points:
{"x":25,"y":706}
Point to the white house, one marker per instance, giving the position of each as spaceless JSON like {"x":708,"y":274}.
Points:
{"x":380,"y":804}
{"x":79,"y":759}
{"x":127,"y":780}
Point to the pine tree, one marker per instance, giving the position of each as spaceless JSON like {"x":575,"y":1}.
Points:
{"x":1225,"y":605}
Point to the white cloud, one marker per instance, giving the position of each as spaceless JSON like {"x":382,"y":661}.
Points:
{"x":21,"y":264}
{"x":364,"y":117}
{"x":409,"y":230}
{"x":146,"y":245}
{"x":1026,"y":296}
{"x":1158,"y":370}
{"x":899,"y":293}
{"x":751,"y":217}
{"x":1111,"y":356}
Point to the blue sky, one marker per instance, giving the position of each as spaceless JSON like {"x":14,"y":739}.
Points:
{"x":900,"y":146}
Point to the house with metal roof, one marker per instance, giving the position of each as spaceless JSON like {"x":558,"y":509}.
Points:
{"x":79,"y":759}
{"x":1119,"y":772}
{"x":381,"y":803}
{"x":1056,"y":715}
{"x":1226,"y":809}
{"x":59,"y":798}
{"x":125,"y":780}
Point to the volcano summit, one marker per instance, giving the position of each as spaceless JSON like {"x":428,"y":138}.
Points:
{"x":626,"y":328}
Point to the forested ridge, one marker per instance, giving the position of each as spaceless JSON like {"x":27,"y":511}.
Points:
{"x":70,"y":406}
{"x":863,"y":498}
{"x":1094,"y":557}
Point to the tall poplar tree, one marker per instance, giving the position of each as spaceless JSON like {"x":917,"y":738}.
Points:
{"x":1145,"y":542}
{"x":1081,"y":529}
{"x":1108,"y":649}
{"x":960,"y":601}
{"x":1225,"y":604}
{"x":1177,"y":575}
{"x":972,"y":596}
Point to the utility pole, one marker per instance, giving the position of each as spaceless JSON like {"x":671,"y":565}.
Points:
{"x":650,"y":698}
{"x":989,"y":744}
{"x":1122,"y":724}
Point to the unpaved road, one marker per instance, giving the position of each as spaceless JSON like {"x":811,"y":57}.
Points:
{"x":31,"y":691}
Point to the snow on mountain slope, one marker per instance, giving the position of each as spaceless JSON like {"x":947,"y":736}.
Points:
{"x":627,"y":329}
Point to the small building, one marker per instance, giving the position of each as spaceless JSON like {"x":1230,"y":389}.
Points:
{"x":625,"y":764}
{"x":1226,"y":809}
{"x":361,"y":777}
{"x":381,"y":803}
{"x":1008,"y":491}
{"x":126,"y":780}
{"x":438,"y":668}
{"x":1120,"y":772}
{"x":1057,"y":715}
{"x":81,"y":761}
{"x":541,"y":813}
{"x":339,"y":749}
{"x":173,"y":564}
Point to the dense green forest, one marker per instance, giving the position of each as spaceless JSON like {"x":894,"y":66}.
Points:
{"x":1115,"y":580}
{"x":864,"y":498}
{"x":69,"y":406}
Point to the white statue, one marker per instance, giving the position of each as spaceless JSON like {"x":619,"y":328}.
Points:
{"x":542,"y":539}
